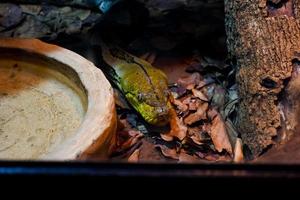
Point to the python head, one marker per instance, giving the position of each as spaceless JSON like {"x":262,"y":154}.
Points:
{"x":154,"y":109}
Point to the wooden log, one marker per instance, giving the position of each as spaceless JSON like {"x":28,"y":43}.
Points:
{"x":263,"y":39}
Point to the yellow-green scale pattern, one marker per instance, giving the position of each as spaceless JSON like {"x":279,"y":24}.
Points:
{"x":144,"y":86}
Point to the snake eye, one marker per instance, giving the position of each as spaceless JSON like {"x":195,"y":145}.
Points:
{"x":140,"y":97}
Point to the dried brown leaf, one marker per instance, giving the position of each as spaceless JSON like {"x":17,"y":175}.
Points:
{"x":238,"y":151}
{"x":186,"y":100}
{"x":211,"y":157}
{"x":191,"y":102}
{"x":194,"y":104}
{"x":149,"y":57}
{"x":196,"y":139}
{"x":229,"y":108}
{"x":148,"y":152}
{"x":120,"y":125}
{"x":181,"y":106}
{"x":168,"y":152}
{"x":134,"y":133}
{"x":206,"y":128}
{"x":212,"y":113}
{"x":178,"y":91}
{"x":209,"y":91}
{"x":190,"y":86}
{"x":205,"y":82}
{"x":200,"y":154}
{"x":186,"y":158}
{"x":231,"y":104}
{"x":197,"y":135}
{"x":218,"y":98}
{"x":127,"y":139}
{"x":217,"y":158}
{"x":134,"y":157}
{"x":166,"y":137}
{"x":232,"y":133}
{"x":198,"y":115}
{"x":224,"y":158}
{"x":123,"y":125}
{"x":199,"y":94}
{"x":190,"y":81}
{"x":178,"y":129}
{"x":219,"y":135}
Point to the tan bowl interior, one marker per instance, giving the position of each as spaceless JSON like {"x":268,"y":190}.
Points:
{"x":54,"y":104}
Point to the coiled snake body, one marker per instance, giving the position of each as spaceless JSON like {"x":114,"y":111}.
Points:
{"x":144,"y":86}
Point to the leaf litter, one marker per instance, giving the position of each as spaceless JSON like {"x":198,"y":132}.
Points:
{"x":202,"y":125}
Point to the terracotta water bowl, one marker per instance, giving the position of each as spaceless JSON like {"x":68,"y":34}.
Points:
{"x":54,"y":104}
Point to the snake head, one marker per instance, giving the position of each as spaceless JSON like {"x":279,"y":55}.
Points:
{"x":158,"y":116}
{"x":154,"y":111}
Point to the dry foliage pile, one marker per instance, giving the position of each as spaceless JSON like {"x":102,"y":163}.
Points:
{"x":202,"y":122}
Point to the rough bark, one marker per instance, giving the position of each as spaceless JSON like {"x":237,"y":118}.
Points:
{"x":263,"y":39}
{"x":48,"y":18}
{"x":43,"y":21}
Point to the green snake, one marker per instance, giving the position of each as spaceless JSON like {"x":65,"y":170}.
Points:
{"x":144,"y":86}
